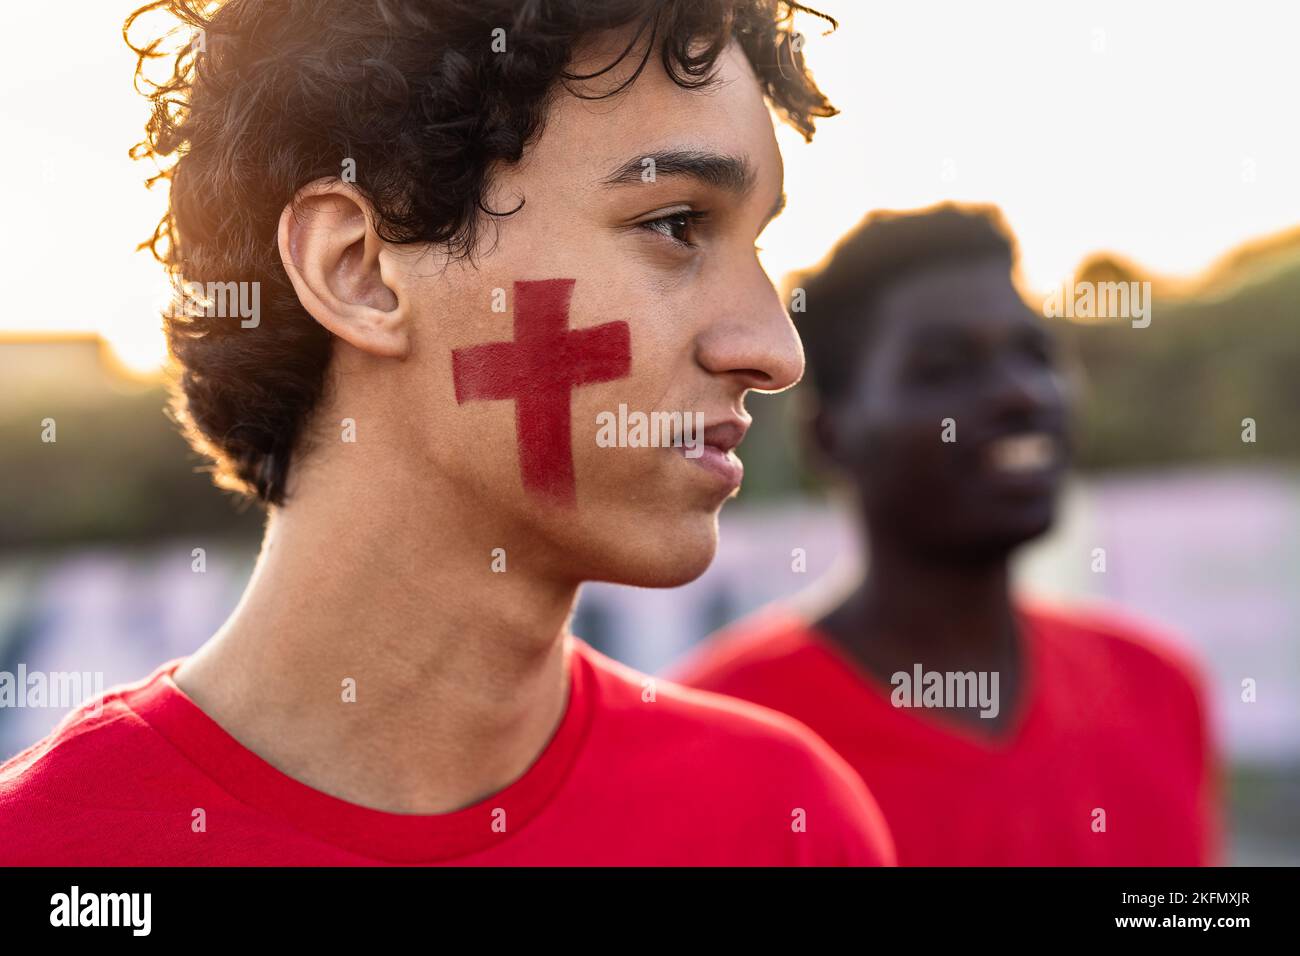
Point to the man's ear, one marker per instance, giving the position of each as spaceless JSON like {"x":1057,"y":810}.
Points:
{"x":335,"y":261}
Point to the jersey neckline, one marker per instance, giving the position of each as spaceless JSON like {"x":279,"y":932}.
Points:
{"x":375,"y":834}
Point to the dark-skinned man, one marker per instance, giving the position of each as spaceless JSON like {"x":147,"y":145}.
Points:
{"x":992,"y":730}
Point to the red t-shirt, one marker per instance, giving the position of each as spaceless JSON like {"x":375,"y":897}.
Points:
{"x":1112,"y":720}
{"x":689,"y":778}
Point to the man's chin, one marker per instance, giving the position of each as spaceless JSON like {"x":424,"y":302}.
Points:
{"x":999,"y":544}
{"x":667,"y":563}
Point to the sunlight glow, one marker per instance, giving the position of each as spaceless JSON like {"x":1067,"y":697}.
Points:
{"x":1162,"y":131}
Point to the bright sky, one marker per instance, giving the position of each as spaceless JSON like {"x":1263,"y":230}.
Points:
{"x":1163,"y":130}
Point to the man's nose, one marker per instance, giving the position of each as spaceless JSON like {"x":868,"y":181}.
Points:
{"x":751,"y":338}
{"x":1019,"y":389}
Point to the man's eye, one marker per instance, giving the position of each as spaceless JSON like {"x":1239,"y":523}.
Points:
{"x":677,"y":226}
{"x":939,"y":367}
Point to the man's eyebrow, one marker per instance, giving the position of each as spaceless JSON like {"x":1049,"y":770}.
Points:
{"x":732,"y":173}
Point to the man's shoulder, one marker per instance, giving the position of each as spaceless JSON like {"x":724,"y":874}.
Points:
{"x":663,"y":705}
{"x":97,"y":757}
{"x":1117,"y":644}
{"x":80,"y":743}
{"x":1135,"y":673}
{"x":716,"y":745}
{"x":747,"y":652}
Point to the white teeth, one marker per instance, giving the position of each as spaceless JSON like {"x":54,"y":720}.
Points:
{"x":1017,"y":454}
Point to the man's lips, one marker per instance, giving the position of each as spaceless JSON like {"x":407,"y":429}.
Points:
{"x":725,"y":436}
{"x":1025,"y":462}
{"x":1021,"y":453}
{"x":716,"y":455}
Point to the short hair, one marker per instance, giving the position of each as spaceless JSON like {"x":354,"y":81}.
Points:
{"x":840,"y":295}
{"x":275,"y":94}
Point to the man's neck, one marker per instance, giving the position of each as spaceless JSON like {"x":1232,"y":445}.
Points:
{"x":946,"y":616}
{"x":459,"y":671}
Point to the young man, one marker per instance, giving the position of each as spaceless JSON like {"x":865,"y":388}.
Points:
{"x":419,"y":408}
{"x":992,"y":731}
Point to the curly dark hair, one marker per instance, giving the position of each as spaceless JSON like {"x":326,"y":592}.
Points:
{"x":841,"y":292}
{"x":279,"y":92}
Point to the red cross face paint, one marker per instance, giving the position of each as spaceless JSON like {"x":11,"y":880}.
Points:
{"x":538,"y":370}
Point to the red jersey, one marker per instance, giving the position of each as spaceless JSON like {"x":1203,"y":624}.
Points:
{"x":1107,"y":761}
{"x":630,"y":777}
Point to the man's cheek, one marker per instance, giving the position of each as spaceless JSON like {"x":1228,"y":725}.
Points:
{"x":538,"y":370}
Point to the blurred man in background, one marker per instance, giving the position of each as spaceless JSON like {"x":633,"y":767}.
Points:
{"x":992,"y":731}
